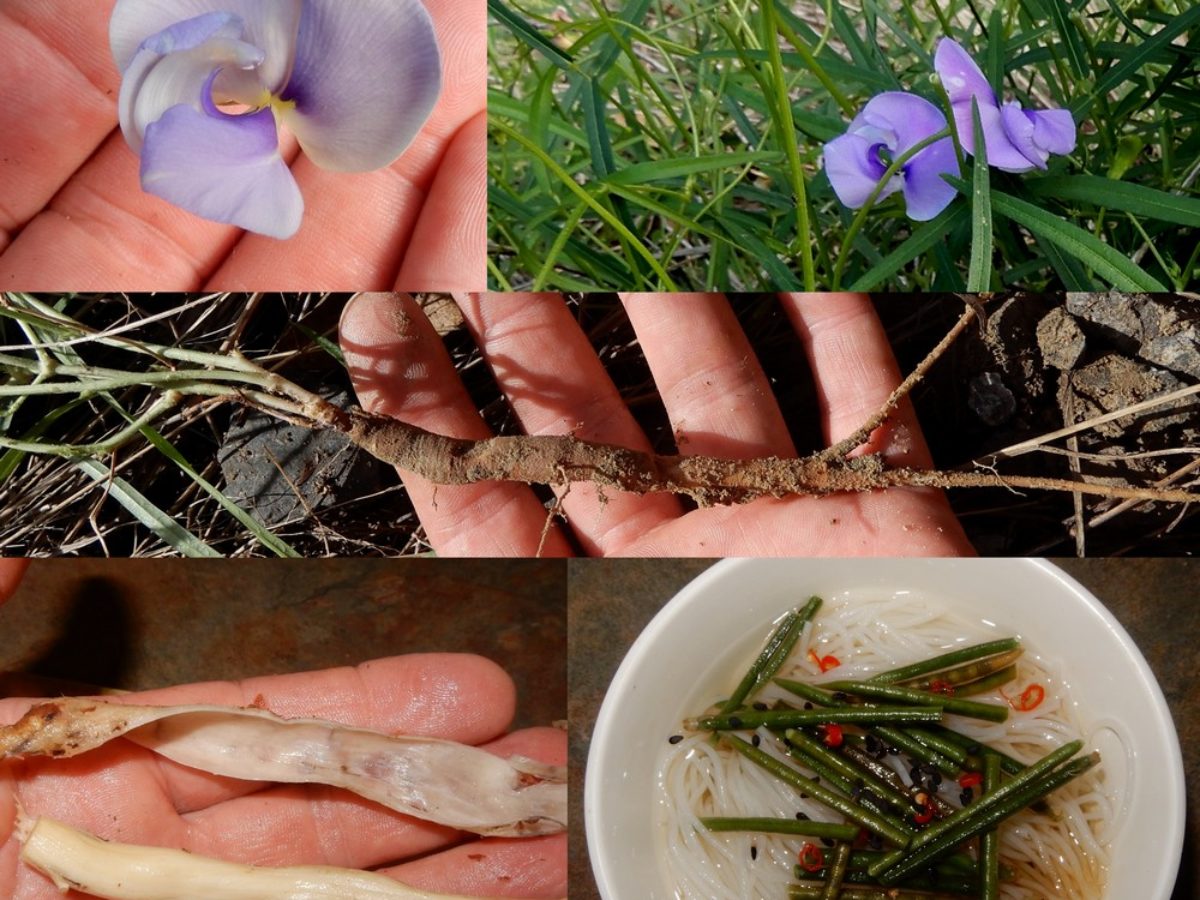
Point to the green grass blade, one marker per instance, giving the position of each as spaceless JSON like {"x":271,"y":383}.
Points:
{"x":924,"y":237}
{"x":995,"y":51}
{"x":1133,"y":60}
{"x":661,"y":169}
{"x":1137,"y":199}
{"x":323,"y":342}
{"x":1111,"y":265}
{"x":261,"y":533}
{"x":529,"y":35}
{"x":979,"y":272}
{"x":597,"y":207}
{"x":140,"y":507}
{"x":1060,"y":14}
{"x":787,"y":133}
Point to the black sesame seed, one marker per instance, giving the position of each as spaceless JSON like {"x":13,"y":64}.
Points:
{"x":803,"y":817}
{"x":760,"y":706}
{"x":807,"y":705}
{"x":753,"y":852}
{"x":735,"y":722}
{"x":966,"y":796}
{"x":756,"y":740}
{"x":841,"y":697}
{"x":675,"y":739}
{"x":828,"y":842}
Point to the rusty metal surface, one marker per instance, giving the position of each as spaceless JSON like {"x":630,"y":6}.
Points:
{"x":137,"y":624}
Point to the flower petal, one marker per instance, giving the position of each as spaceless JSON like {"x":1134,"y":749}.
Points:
{"x":1018,"y":128}
{"x":366,"y":76}
{"x":1053,"y":129}
{"x":271,"y":25}
{"x":1001,"y":152}
{"x":909,"y":118}
{"x":960,"y":76}
{"x":853,"y":167}
{"x":926,"y":193}
{"x":172,"y":67}
{"x":224,"y":168}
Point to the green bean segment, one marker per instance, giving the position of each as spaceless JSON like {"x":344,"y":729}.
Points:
{"x":798,"y":718}
{"x":990,"y":712}
{"x":767,"y":825}
{"x":779,"y":645}
{"x":947,"y":661}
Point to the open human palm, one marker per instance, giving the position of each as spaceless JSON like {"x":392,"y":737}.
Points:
{"x":126,"y":793}
{"x":717,"y":397}
{"x":73,"y":215}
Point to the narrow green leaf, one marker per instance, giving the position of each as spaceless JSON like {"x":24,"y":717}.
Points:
{"x":579,"y":191}
{"x":1133,"y":60}
{"x":167,"y":529}
{"x":525,"y":32}
{"x":661,"y":169}
{"x":1111,"y":265}
{"x":924,"y":237}
{"x":264,"y":535}
{"x":323,"y":342}
{"x":1060,"y":14}
{"x":1138,"y":199}
{"x":995,"y":51}
{"x":979,"y":272}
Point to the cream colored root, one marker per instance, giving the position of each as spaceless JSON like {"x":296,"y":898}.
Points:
{"x":74,"y":859}
{"x":439,"y":781}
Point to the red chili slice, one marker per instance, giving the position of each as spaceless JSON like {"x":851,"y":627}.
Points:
{"x":823,"y":663}
{"x":924,"y":816}
{"x":811,"y":858}
{"x":970,"y":780}
{"x":1031,"y":698}
{"x":833,"y":735}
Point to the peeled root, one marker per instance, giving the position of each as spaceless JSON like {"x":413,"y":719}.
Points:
{"x":77,"y":860}
{"x":439,"y":781}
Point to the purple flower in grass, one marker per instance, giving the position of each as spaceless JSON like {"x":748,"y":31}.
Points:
{"x":205,"y":84}
{"x":888,"y":126}
{"x":1016,"y":139}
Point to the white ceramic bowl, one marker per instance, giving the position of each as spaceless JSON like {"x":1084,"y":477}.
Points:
{"x":724,"y":615}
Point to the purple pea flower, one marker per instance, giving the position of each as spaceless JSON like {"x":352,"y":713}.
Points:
{"x":892,"y":123}
{"x":1016,"y":139}
{"x":205,"y":84}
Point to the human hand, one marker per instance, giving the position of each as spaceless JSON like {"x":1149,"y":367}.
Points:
{"x":124,"y":792}
{"x":73,"y":215}
{"x":719,"y":403}
{"x":11,"y":573}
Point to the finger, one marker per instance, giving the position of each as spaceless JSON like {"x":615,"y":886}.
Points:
{"x":401,"y":369}
{"x":60,"y":103}
{"x":556,"y":385}
{"x":494,"y":867}
{"x":453,"y":696}
{"x":855,"y":372}
{"x":103,"y":230}
{"x":716,"y":394}
{"x":449,"y":244}
{"x":357,"y":227}
{"x":312,"y":823}
{"x":11,"y":573}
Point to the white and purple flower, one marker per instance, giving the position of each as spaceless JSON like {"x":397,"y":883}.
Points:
{"x":1016,"y":139}
{"x":892,"y":123}
{"x":205,"y":84}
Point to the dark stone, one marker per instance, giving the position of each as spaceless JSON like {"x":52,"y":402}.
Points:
{"x":285,"y":473}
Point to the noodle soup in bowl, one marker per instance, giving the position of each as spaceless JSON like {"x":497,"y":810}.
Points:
{"x":701,"y":643}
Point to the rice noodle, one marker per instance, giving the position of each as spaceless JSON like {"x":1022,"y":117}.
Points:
{"x":439,"y":781}
{"x":1060,"y":855}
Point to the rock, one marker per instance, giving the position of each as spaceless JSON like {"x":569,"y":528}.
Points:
{"x":1112,"y":383}
{"x":284,"y":472}
{"x":1161,"y":330}
{"x":991,"y":399}
{"x":1060,"y":339}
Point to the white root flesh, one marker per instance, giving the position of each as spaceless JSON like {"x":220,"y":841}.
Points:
{"x":439,"y":781}
{"x":77,"y":860}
